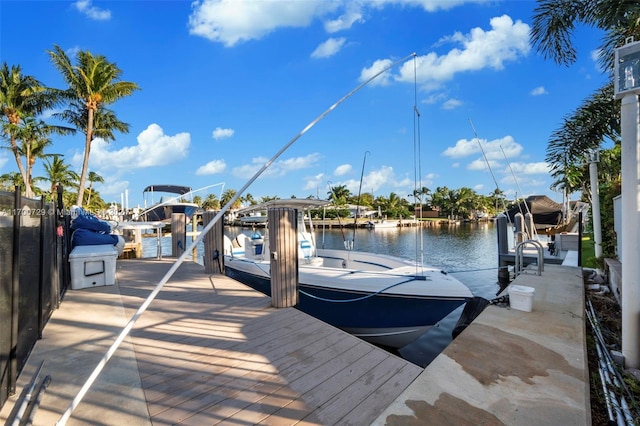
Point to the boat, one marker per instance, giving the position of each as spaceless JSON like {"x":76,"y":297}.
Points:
{"x":170,"y":200}
{"x":253,"y":219}
{"x":380,"y":298}
{"x":380,"y":224}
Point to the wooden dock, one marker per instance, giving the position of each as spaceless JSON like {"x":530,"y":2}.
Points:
{"x":208,"y":350}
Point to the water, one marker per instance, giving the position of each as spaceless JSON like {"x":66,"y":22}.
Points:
{"x":468,"y":251}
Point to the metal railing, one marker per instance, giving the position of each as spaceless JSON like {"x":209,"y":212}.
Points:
{"x":519,"y":256}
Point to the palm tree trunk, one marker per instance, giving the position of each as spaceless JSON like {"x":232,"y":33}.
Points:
{"x":89,"y":196}
{"x":85,"y":161}
{"x":23,"y":173}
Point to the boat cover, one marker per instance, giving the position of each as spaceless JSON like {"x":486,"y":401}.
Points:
{"x":173,"y":189}
{"x":545,"y":211}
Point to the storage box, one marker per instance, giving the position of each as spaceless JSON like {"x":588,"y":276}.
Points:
{"x":521,"y":297}
{"x":93,"y":266}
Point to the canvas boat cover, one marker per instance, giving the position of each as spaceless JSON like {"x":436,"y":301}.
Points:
{"x":173,"y":189}
{"x":545,"y":211}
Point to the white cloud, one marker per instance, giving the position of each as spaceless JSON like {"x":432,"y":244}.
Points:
{"x":277,"y":169}
{"x":233,"y":21}
{"x":220,"y":133}
{"x":538,"y":168}
{"x":383,"y":79}
{"x":481,"y":164}
{"x":376,"y":179}
{"x":342,"y":170}
{"x":93,"y":12}
{"x":346,"y":20}
{"x":328,"y":48}
{"x":212,"y":168}
{"x":479,"y":49}
{"x":427,"y":5}
{"x":496,"y":149}
{"x":113,"y":186}
{"x":3,"y":161}
{"x":540,"y":90}
{"x":154,"y":148}
{"x":316,"y":182}
{"x":452,"y":104}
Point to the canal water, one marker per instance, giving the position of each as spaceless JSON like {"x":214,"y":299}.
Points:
{"x":468,"y":251}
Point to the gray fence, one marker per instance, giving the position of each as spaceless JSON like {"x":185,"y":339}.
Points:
{"x":34,"y":274}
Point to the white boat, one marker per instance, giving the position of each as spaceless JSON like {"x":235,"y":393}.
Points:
{"x":380,"y":298}
{"x":170,"y":200}
{"x":254,"y":219}
{"x":380,"y":224}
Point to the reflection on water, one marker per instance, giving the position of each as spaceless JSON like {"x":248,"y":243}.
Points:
{"x":467,"y":251}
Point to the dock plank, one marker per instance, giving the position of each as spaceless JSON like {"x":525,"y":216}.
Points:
{"x":245,"y":362}
{"x":208,"y":350}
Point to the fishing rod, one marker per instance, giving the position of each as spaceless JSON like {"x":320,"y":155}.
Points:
{"x":355,"y":219}
{"x":526,"y":206}
{"x":417,"y":163}
{"x":125,"y":331}
{"x":504,"y":205}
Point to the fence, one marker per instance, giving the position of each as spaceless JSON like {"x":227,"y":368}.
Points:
{"x":34,"y":274}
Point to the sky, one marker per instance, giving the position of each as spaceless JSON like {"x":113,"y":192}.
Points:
{"x":227,"y":85}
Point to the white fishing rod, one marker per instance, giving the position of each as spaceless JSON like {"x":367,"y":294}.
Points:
{"x":526,"y":206}
{"x":125,"y":331}
{"x":504,"y":205}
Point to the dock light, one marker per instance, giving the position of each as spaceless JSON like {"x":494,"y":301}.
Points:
{"x":627,"y":69}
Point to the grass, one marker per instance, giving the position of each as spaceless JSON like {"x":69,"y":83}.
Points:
{"x":588,"y":253}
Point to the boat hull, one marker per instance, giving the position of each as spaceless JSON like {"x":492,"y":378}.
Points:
{"x":392,"y":320}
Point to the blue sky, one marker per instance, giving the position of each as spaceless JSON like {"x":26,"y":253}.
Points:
{"x":225,"y":84}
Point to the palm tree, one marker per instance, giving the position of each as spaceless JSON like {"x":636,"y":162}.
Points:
{"x":34,"y":137}
{"x":598,"y":118}
{"x":339,"y":194}
{"x":93,"y":83}
{"x":211,"y":202}
{"x":21,"y":96}
{"x":93,"y":177}
{"x":227,"y":196}
{"x":59,"y":173}
{"x":9,"y":181}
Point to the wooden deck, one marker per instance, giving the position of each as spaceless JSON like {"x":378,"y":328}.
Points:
{"x":210,"y":350}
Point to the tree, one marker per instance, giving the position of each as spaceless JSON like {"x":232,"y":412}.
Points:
{"x":93,"y":83}
{"x":227,"y":196}
{"x":598,"y":118}
{"x":59,"y":173}
{"x":249,"y":199}
{"x":34,"y":136}
{"x":93,"y":177}
{"x":267,"y":198}
{"x":9,"y":181}
{"x":339,"y":194}
{"x":211,"y":202}
{"x":21,"y":96}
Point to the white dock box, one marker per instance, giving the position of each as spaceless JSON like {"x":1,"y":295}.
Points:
{"x":521,"y":297}
{"x":93,"y":266}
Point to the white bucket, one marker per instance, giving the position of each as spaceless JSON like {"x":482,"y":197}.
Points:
{"x":521,"y":297}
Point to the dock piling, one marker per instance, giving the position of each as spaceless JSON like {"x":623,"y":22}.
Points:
{"x":213,"y":245}
{"x":284,"y":256}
